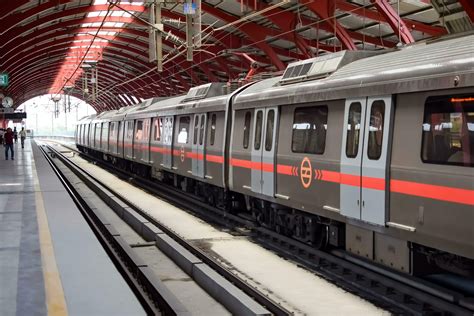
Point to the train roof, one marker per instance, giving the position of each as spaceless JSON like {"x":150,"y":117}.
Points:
{"x":410,"y":69}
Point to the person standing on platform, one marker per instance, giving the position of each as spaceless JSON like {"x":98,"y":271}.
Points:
{"x":9,"y":143}
{"x":22,"y":137}
{"x":2,"y":132}
{"x":15,"y":135}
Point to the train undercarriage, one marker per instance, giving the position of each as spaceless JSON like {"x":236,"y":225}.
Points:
{"x":317,"y":231}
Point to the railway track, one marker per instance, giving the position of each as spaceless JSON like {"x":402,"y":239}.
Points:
{"x":153,"y":294}
{"x":397,"y":293}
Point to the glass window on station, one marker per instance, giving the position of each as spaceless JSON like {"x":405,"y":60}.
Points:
{"x":309,"y":130}
{"x":184,"y":122}
{"x":248,"y":118}
{"x":353,"y":130}
{"x":448,"y":130}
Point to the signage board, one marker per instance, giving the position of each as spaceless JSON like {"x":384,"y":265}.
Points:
{"x":4,"y":79}
{"x":13,"y":116}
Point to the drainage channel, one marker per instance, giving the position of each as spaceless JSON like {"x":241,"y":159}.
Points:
{"x":233,"y":293}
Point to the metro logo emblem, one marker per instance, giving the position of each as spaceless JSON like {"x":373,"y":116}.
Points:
{"x":306,"y":175}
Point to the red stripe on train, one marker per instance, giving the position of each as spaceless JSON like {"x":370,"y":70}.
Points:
{"x":431,"y":191}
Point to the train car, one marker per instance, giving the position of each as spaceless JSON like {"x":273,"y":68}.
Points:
{"x":372,"y":152}
{"x":379,"y":147}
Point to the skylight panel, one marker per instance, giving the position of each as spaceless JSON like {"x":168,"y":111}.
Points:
{"x":92,"y":14}
{"x":97,"y":2}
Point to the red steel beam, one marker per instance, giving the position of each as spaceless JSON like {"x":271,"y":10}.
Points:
{"x":325,"y":10}
{"x":376,"y":16}
{"x":393,"y":19}
{"x":468,"y":6}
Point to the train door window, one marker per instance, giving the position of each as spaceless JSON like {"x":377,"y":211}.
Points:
{"x":201,"y":132}
{"x":213,"y":129}
{"x":309,"y":130}
{"x":97,"y":134}
{"x":258,"y":130}
{"x":112,"y":130}
{"x":269,"y":130}
{"x":139,"y":130}
{"x":353,"y":130}
{"x":184,"y":122}
{"x":248,"y":117}
{"x":168,"y":131}
{"x":129,"y":132}
{"x":448,"y":130}
{"x":146,"y":130}
{"x":157,"y":128}
{"x":374,"y":145}
{"x":196,"y":129}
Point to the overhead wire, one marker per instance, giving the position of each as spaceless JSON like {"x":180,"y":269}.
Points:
{"x":217,"y":39}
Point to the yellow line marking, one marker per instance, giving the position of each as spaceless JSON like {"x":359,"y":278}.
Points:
{"x":55,"y":300}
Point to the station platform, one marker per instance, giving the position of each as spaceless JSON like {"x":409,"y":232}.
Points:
{"x":50,"y":260}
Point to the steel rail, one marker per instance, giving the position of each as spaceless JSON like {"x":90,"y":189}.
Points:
{"x":147,"y":292}
{"x":398,"y":293}
{"x":274,"y":307}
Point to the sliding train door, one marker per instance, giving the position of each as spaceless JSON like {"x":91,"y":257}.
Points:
{"x":199,"y":143}
{"x":263,"y":151}
{"x":365,"y":159}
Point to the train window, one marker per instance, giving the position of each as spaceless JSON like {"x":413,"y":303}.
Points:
{"x":258,"y":130}
{"x":309,"y":130}
{"x":183,"y":129}
{"x":269,"y":131}
{"x":353,"y":130}
{"x":157,"y":128}
{"x":201,"y":132}
{"x":448,"y":130}
{"x":139,"y":130}
{"x":196,"y":129}
{"x":374,"y":145}
{"x":213,"y":129}
{"x":248,"y":117}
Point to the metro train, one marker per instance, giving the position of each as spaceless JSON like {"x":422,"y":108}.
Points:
{"x":368,"y":152}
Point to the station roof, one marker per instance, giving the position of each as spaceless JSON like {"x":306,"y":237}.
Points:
{"x":44,"y":44}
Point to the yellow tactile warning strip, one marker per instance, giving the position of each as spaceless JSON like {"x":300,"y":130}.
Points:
{"x":55,"y":300}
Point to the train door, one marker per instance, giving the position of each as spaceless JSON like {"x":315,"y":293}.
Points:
{"x":263,"y":151}
{"x":168,"y":141}
{"x":365,"y":159}
{"x":199,"y":140}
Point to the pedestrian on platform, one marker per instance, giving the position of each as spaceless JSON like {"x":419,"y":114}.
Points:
{"x":22,"y":137}
{"x":2,"y":132}
{"x":15,"y":135}
{"x":9,"y":143}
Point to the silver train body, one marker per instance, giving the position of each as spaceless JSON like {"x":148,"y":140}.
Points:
{"x":372,"y":153}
